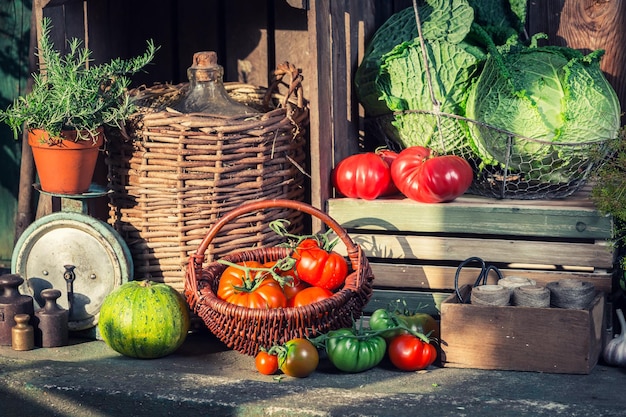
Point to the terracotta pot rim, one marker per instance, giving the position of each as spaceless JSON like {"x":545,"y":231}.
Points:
{"x":65,"y":166}
{"x":41,"y":138}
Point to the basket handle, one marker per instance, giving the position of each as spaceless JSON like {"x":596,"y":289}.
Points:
{"x":199,"y":256}
{"x":294,"y":85}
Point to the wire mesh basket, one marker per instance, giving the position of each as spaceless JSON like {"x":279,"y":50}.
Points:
{"x":530,"y":168}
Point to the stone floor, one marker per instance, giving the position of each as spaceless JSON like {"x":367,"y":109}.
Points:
{"x":203,"y":378}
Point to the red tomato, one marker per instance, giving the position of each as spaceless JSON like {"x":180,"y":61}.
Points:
{"x":365,"y":175}
{"x":266,"y":363}
{"x":409,"y":353}
{"x":430,"y":179}
{"x":294,"y":288}
{"x":319,"y":267}
{"x":387,"y":155}
{"x":300,"y":358}
{"x":255,"y":291}
{"x":309,"y":243}
{"x":309,"y":296}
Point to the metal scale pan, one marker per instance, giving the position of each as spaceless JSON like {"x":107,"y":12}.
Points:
{"x":77,"y":254}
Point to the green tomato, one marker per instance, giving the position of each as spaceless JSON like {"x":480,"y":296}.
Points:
{"x":352,"y":353}
{"x":421,"y":323}
{"x":381,"y":320}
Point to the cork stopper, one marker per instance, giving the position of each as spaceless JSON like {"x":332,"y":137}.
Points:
{"x":204,"y":59}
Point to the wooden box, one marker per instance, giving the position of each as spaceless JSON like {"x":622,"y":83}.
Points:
{"x":414,"y":249}
{"x":551,"y":340}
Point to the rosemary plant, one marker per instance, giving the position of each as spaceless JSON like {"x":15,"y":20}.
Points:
{"x":69,"y":93}
{"x":609,"y":190}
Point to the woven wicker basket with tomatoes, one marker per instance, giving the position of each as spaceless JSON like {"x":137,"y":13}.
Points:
{"x":257,"y":298}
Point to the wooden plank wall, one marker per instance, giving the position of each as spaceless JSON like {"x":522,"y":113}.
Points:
{"x":338,"y":33}
{"x":414,"y":249}
{"x":14,"y":72}
{"x":249,"y":37}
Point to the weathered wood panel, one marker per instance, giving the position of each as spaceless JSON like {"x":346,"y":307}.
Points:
{"x":569,"y":218}
{"x":414,"y":249}
{"x":442,"y":248}
{"x":14,"y":72}
{"x":438,"y":277}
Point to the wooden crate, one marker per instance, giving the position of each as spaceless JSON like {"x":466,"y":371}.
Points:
{"x":551,"y":340}
{"x":414,"y":249}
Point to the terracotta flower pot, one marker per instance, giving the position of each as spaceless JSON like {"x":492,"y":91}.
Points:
{"x":64,"y":166}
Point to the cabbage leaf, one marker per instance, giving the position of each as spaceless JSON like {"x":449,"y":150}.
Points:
{"x":442,"y":20}
{"x":404,"y":87}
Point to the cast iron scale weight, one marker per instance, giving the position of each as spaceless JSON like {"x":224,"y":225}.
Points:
{"x":69,"y":250}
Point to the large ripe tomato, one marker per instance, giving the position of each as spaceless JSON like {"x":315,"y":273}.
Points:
{"x":308,"y":296}
{"x":298,"y":358}
{"x":320,"y":267}
{"x":253,"y":291}
{"x":365,"y":175}
{"x":352,"y":352}
{"x":430,"y":179}
{"x":409,"y":353}
{"x":266,"y":363}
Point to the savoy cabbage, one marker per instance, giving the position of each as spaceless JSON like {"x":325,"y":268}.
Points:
{"x":554,"y":99}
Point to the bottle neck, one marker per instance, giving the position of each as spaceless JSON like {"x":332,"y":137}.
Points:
{"x":206,"y":75}
{"x":207,"y":94}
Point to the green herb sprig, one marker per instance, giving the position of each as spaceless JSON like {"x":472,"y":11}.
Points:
{"x":69,"y":93}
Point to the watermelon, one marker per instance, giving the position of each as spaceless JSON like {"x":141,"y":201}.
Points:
{"x":144,"y":319}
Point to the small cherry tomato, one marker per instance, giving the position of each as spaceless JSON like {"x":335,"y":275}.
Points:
{"x":266,"y":363}
{"x":293,"y":288}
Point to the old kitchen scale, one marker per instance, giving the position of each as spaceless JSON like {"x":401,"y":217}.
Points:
{"x":83,"y":257}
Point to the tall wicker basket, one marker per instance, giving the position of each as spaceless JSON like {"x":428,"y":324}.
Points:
{"x":178,"y":173}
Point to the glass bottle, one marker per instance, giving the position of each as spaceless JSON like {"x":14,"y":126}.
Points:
{"x":207,"y":93}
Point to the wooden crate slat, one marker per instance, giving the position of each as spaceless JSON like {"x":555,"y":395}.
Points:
{"x":437,"y":277}
{"x":442,"y":248}
{"x":472,"y":214}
